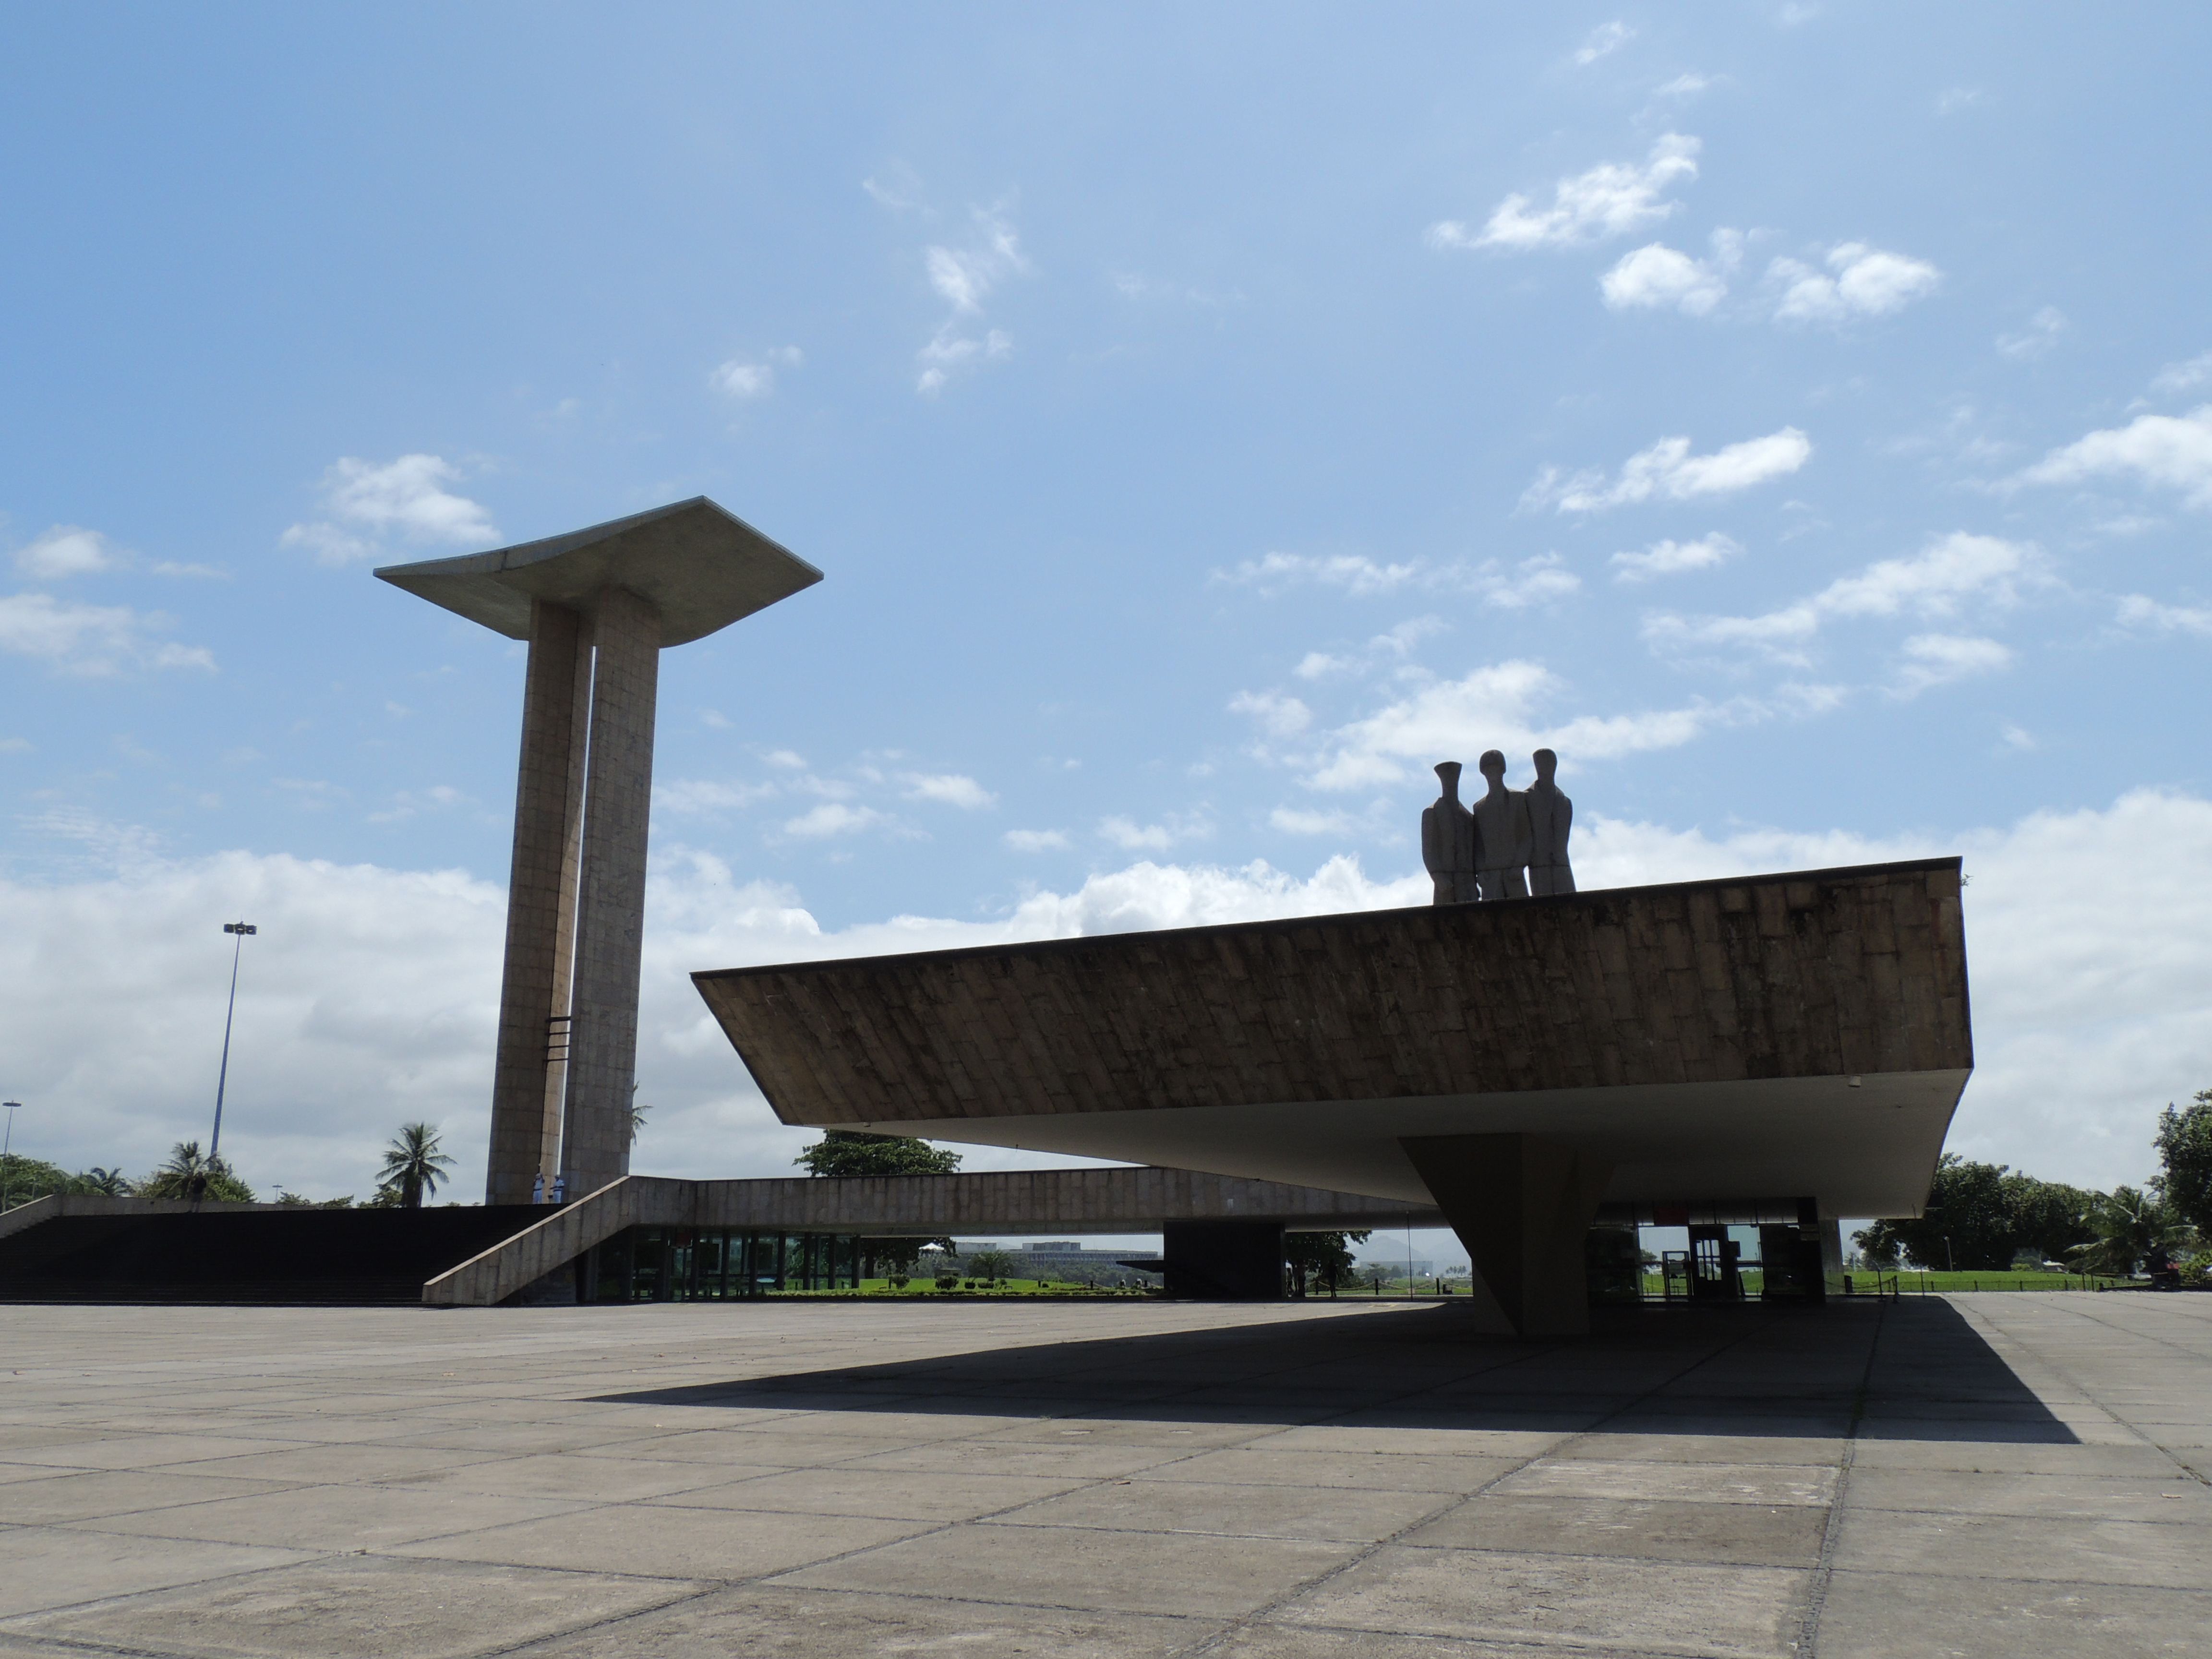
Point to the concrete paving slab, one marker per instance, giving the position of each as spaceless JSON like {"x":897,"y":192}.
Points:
{"x":1664,"y":1605}
{"x":2175,"y":1500}
{"x":771,"y":1621}
{"x":356,"y":1606}
{"x":2019,"y":1546}
{"x":87,"y":1496}
{"x":43,"y":1567}
{"x":686,"y":1543}
{"x":1605,"y":1445}
{"x":1739,"y":1534}
{"x":1347,"y":1515}
{"x":141,"y":1451}
{"x":347,"y":1517}
{"x":1077,"y":1461}
{"x":1177,"y":1573}
{"x":1872,"y":1615}
{"x":1699,"y":1482}
{"x":557,"y":1475}
{"x":1375,"y":1471}
{"x":329,"y":1465}
{"x":888,"y":1494}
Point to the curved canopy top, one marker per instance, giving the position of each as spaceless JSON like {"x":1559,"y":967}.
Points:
{"x":701,"y":567}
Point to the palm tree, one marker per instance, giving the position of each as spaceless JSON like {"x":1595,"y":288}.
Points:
{"x":2129,"y":1225}
{"x":413,"y":1163}
{"x":109,"y":1183}
{"x":189,"y":1173}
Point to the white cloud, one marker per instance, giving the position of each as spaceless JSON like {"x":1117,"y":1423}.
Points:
{"x":965,"y":277}
{"x":370,"y":997}
{"x":1686,"y":85}
{"x":949,"y":789}
{"x":15,"y":745}
{"x":1860,"y":282}
{"x":2173,"y":450}
{"x":406,"y":497}
{"x":1131,"y":836}
{"x":704,"y":796}
{"x":2041,"y":334}
{"x":1672,"y":558}
{"x":1355,"y":573}
{"x":66,"y":550}
{"x":1669,"y":471}
{"x":1532,"y":581}
{"x":1304,"y":821}
{"x":2182,"y":376}
{"x":1657,"y":277}
{"x":1037,"y":840}
{"x":1602,"y":41}
{"x":1952,"y":100}
{"x":1932,"y":659}
{"x":1496,"y":707}
{"x":91,"y":640}
{"x":1610,"y":200}
{"x":1935,"y":582}
{"x":832,"y":818}
{"x":2140,"y":610}
{"x":1279,"y":716}
{"x":743,"y":378}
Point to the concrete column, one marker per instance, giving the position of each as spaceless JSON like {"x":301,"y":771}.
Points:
{"x":564,"y":949}
{"x":1522,"y":1204}
{"x":540,"y":898}
{"x":610,"y":893}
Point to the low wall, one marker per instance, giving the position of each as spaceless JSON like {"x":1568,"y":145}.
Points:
{"x":1047,"y":1202}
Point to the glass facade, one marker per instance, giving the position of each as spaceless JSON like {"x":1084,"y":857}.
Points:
{"x":720,"y":1264}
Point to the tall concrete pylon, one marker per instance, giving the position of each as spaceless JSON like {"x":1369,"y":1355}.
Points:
{"x":597,"y":607}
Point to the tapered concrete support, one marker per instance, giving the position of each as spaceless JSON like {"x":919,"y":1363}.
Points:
{"x":526,"y":1107}
{"x":610,"y":892}
{"x":1521,"y":1203}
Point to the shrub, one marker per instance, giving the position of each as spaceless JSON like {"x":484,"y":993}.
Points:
{"x":899,"y":1281}
{"x":948,"y":1281}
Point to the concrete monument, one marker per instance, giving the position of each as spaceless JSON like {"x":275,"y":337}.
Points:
{"x":597,"y":607}
{"x":1501,"y":834}
{"x":1447,"y":842}
{"x":1551,"y":817}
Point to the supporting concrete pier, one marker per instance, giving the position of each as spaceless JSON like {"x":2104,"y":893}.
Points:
{"x":533,"y":1004}
{"x":1522,"y":1205}
{"x":610,"y":893}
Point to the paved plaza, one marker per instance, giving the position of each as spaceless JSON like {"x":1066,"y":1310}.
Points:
{"x":1996,"y":1474}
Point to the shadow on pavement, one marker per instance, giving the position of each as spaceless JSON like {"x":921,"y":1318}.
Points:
{"x":1900,"y":1370}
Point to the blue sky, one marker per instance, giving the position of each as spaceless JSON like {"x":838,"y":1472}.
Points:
{"x":1204,"y":421}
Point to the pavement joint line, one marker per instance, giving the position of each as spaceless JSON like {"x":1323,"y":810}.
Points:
{"x":1369,"y":1552}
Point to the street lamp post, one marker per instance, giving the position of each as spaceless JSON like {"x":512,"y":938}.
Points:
{"x":239,"y":932}
{"x":6,"y":1143}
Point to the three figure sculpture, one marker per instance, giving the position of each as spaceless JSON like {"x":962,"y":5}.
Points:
{"x":1481,"y":853}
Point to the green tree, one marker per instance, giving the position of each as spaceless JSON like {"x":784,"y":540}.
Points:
{"x":1979,"y":1216}
{"x":847,"y":1152}
{"x":2129,"y":1225}
{"x":413,"y":1165}
{"x":104,"y":1183}
{"x":990,"y":1264}
{"x":191,"y":1174}
{"x":1323,"y":1259}
{"x":2184,"y":1149}
{"x":23,"y":1179}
